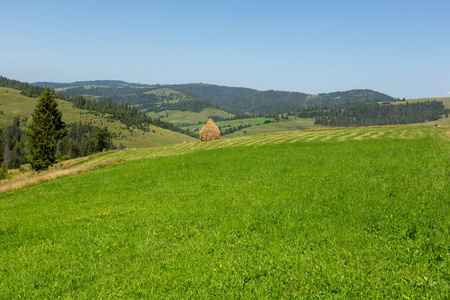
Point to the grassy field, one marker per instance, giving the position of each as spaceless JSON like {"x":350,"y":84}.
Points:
{"x":189,"y":117}
{"x":344,"y":213}
{"x":231,"y":123}
{"x":164,"y":92}
{"x":13,"y":104}
{"x":292,"y":124}
{"x":258,"y":126}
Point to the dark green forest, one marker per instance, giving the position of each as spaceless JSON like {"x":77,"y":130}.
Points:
{"x":244,"y":100}
{"x":80,"y":140}
{"x":369,"y":114}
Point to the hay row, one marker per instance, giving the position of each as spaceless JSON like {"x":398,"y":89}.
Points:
{"x":333,"y":136}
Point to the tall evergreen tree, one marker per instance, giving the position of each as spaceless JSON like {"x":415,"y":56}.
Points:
{"x":46,"y":128}
{"x":15,"y":159}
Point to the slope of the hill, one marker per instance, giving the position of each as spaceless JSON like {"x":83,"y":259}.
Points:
{"x":13,"y":104}
{"x":181,"y":118}
{"x":234,"y":100}
{"x":350,"y":213}
{"x":148,"y":99}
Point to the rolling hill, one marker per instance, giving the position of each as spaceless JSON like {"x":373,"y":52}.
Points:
{"x":13,"y":104}
{"x":243,"y":100}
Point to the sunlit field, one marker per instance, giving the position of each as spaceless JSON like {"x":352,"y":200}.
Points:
{"x":325,"y":213}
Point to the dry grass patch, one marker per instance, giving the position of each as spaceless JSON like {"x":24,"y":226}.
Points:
{"x":22,"y":180}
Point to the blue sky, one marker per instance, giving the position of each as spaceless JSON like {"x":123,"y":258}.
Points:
{"x":401,"y":48}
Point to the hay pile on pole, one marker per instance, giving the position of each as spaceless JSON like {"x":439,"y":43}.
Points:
{"x":209,"y":132}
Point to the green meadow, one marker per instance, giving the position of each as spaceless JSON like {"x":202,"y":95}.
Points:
{"x":189,"y":117}
{"x":259,"y":127}
{"x":333,"y":214}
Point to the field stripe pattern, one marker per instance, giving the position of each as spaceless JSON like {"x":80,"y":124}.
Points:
{"x":328,"y":135}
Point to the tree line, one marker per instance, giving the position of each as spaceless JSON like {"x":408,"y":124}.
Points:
{"x":369,"y":114}
{"x":81,"y":139}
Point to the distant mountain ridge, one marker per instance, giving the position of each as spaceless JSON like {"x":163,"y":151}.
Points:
{"x":239,"y":100}
{"x":108,"y":83}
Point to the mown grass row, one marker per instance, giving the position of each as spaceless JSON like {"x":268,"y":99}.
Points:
{"x":325,"y":135}
{"x":267,"y":217}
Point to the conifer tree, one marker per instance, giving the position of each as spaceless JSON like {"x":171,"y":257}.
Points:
{"x":46,"y":128}
{"x":103,"y":138}
{"x":15,"y":158}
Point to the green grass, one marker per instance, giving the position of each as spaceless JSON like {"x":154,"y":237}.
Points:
{"x":189,"y":117}
{"x":232,"y":123}
{"x":258,"y":126}
{"x":321,"y":135}
{"x":13,"y":104}
{"x":350,"y":213}
{"x":292,"y":124}
{"x":164,"y":92}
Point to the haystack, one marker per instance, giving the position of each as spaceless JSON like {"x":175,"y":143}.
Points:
{"x":209,"y":132}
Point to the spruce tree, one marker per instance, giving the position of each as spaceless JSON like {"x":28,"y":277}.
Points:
{"x":46,"y":128}
{"x":102,"y":138}
{"x":15,"y":158}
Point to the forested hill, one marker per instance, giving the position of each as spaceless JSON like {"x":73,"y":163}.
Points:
{"x":236,"y":100}
{"x":241,"y":100}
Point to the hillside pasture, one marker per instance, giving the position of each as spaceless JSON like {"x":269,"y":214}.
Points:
{"x":259,"y":127}
{"x":345,"y":213}
{"x":164,"y":92}
{"x":189,"y":117}
{"x":13,"y":104}
{"x":318,"y":135}
{"x":292,"y":124}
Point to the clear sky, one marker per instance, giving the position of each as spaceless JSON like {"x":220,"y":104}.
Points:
{"x":398,"y":47}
